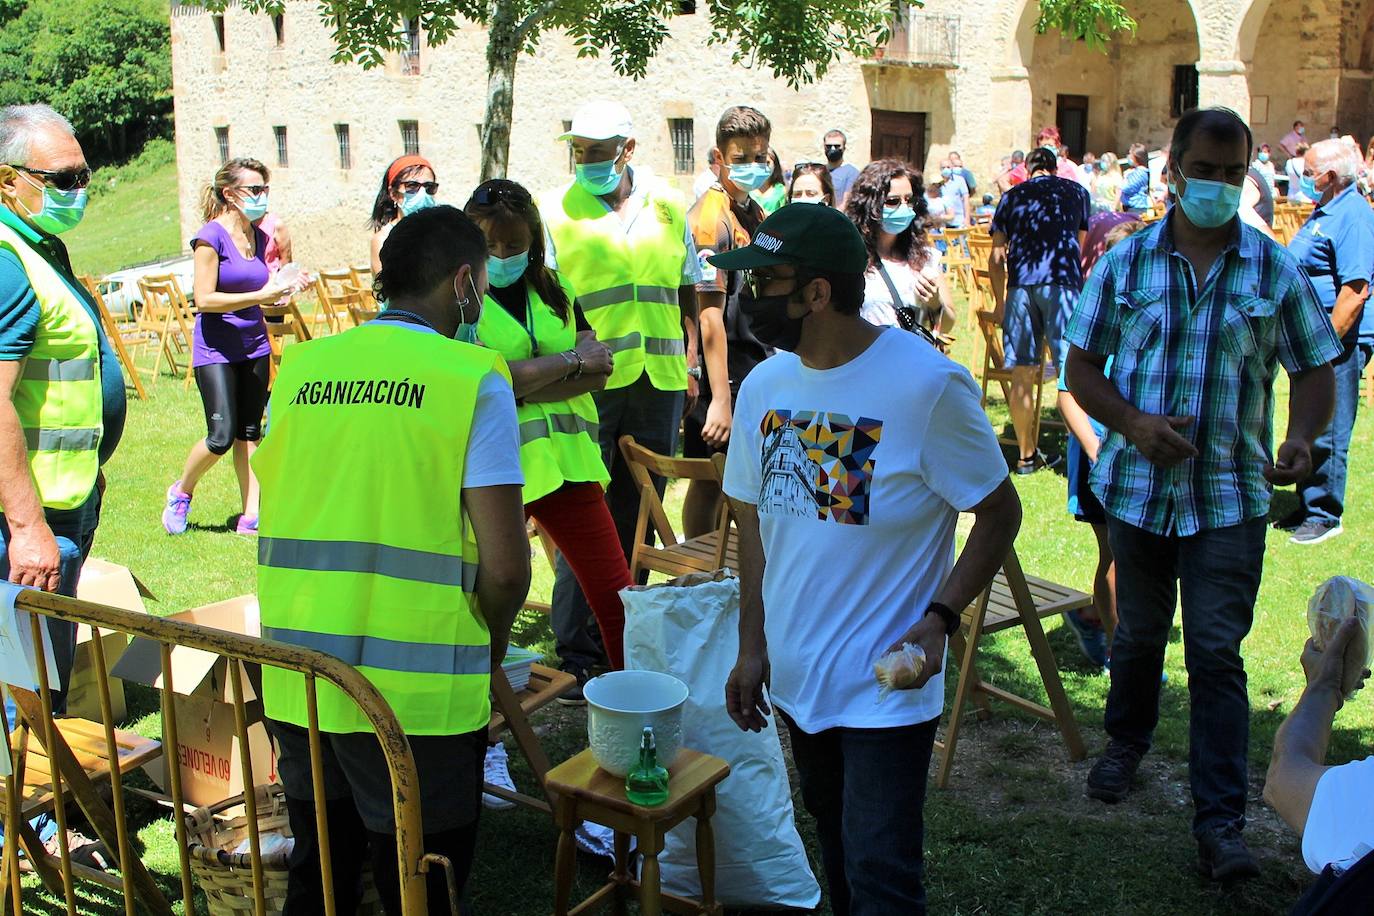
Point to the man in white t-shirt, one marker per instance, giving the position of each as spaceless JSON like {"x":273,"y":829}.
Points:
{"x":1332,"y":807}
{"x":854,"y":450}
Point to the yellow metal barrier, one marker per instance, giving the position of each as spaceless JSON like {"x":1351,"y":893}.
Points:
{"x":35,"y":711}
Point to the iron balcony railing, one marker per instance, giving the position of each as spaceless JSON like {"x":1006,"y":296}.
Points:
{"x":921,"y":39}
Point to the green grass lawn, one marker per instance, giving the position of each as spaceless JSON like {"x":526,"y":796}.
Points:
{"x":131,"y":218}
{"x":1013,"y":832}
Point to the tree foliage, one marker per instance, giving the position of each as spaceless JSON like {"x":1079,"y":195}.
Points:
{"x":1092,"y":21}
{"x":107,"y":67}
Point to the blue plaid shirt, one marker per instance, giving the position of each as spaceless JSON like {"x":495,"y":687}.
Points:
{"x":1210,"y":355}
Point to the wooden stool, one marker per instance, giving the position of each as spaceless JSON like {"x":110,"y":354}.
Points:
{"x":583,"y":791}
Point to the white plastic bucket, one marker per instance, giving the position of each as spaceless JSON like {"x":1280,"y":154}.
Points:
{"x":620,"y":704}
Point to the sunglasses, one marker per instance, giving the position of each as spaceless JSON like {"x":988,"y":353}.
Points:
{"x":487,"y":196}
{"x":411,"y":187}
{"x":64,"y":180}
{"x":253,"y":189}
{"x":756,"y":280}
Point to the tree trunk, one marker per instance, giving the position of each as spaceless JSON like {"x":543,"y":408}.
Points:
{"x":503,"y":50}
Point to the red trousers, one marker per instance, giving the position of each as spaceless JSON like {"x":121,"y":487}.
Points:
{"x":576,"y":517}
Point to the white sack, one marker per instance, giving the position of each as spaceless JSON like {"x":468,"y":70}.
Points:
{"x":689,"y":628}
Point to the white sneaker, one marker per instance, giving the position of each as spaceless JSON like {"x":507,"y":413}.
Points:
{"x":595,"y":839}
{"x":495,"y":772}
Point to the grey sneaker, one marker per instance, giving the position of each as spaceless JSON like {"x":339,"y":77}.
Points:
{"x":1110,"y":778}
{"x":1223,"y":856}
{"x":1314,"y":532}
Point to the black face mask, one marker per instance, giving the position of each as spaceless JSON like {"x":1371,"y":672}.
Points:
{"x":768,"y":319}
{"x":834,"y":153}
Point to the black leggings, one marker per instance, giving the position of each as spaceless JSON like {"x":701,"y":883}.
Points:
{"x":234,"y":395}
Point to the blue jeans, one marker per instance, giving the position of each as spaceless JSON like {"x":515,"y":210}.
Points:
{"x":1035,"y":315}
{"x":866,"y":788}
{"x":1322,"y":494}
{"x":1218,"y":572}
{"x":653,"y":418}
{"x":74,"y":531}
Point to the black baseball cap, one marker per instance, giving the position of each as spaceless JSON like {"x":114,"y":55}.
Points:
{"x":808,"y":235}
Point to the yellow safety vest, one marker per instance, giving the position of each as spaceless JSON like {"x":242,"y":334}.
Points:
{"x":58,"y":398}
{"x":626,"y":280}
{"x":558,"y":439}
{"x":364,"y":549}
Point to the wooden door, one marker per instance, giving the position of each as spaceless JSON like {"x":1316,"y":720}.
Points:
{"x":1071,"y":117}
{"x":900,"y":135}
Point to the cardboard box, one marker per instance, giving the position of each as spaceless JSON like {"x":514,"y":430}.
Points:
{"x":102,"y":582}
{"x":208,"y":745}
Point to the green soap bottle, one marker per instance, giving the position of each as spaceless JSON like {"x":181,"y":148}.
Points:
{"x":647,"y":783}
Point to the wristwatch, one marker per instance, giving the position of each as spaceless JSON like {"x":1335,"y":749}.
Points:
{"x":947,"y":615}
{"x":694,"y":372}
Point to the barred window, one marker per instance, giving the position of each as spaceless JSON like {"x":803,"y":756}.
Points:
{"x":279,"y":133}
{"x":218,"y":23}
{"x":279,"y":28}
{"x":572,"y":163}
{"x":684,"y":156}
{"x":410,"y":56}
{"x":222,"y":139}
{"x":410,"y":137}
{"x":345,"y":147}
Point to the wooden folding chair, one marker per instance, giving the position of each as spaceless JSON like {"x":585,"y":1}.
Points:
{"x":292,"y":325}
{"x":510,"y":711}
{"x":168,"y":317}
{"x":333,"y":309}
{"x":534,"y":531}
{"x":361,"y":276}
{"x":958,"y":259}
{"x":705,"y":553}
{"x":115,"y":334}
{"x":979,"y":250}
{"x":988,"y":309}
{"x":79,"y":754}
{"x":1013,"y":599}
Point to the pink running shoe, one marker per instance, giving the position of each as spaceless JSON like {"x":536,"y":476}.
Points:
{"x":178,"y":507}
{"x":248,"y":524}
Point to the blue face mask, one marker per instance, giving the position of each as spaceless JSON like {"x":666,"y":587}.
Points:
{"x":255,"y":207}
{"x":502,"y":272}
{"x":1263,"y":157}
{"x":1207,"y":204}
{"x":946,"y":173}
{"x":750,"y":176}
{"x":1101,"y":166}
{"x":807,"y":200}
{"x":897,"y":219}
{"x":467,"y":330}
{"x":61,"y":210}
{"x":1308,"y":185}
{"x":414,"y":203}
{"x":598,"y":178}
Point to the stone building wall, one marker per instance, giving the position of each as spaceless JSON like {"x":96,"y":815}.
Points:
{"x":1312,"y":57}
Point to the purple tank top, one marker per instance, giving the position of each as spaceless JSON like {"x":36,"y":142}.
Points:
{"x":238,"y":336}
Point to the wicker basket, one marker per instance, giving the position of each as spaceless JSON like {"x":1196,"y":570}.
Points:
{"x":226,"y":877}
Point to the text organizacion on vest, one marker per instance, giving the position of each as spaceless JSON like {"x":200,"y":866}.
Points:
{"x":359,"y":391}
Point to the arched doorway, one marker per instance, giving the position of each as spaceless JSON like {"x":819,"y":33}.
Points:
{"x":1311,"y":61}
{"x":1107,"y":101}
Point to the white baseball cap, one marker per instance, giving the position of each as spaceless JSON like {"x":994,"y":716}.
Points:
{"x":600,"y":120}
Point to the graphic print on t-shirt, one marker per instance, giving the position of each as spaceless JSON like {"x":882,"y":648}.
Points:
{"x":818,"y":465}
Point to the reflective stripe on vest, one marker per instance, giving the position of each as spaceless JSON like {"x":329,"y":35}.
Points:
{"x":373,"y":559}
{"x":390,"y":654}
{"x":362,"y":557}
{"x":627,"y":277}
{"x":58,"y":396}
{"x":62,"y":440}
{"x":59,"y":370}
{"x":666,"y":295}
{"x":568,"y":424}
{"x":559,"y":441}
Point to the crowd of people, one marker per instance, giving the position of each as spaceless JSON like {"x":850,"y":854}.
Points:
{"x":522,"y":336}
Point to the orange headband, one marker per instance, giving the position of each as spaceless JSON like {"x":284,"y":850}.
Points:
{"x":405,"y":162}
